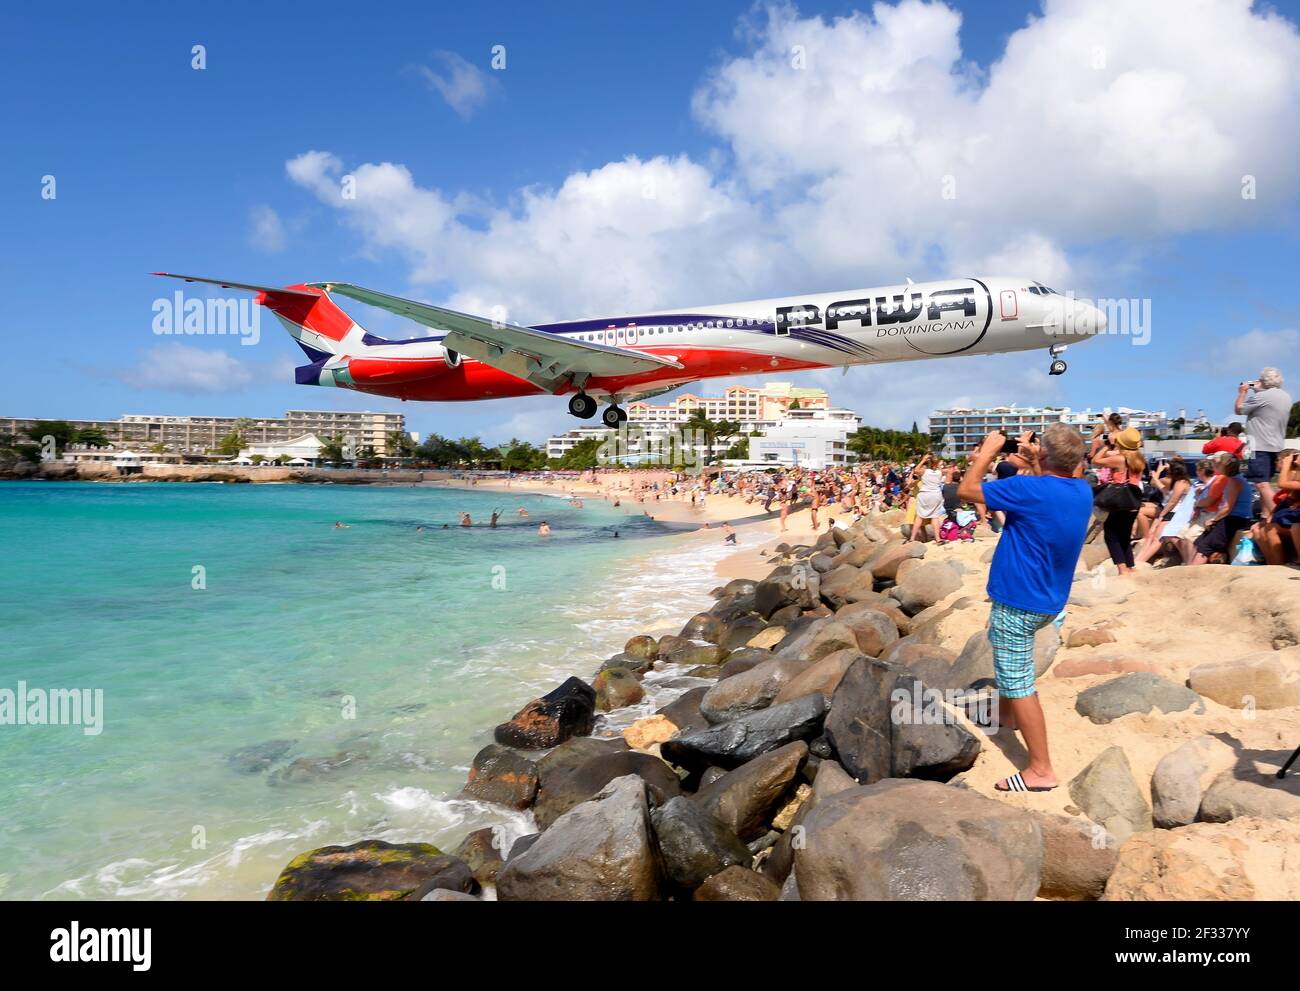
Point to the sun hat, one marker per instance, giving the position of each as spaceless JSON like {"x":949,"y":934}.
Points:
{"x":1130,"y":439}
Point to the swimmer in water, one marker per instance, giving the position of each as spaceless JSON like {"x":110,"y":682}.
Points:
{"x":340,"y":525}
{"x":730,"y":531}
{"x":521,"y":511}
{"x":465,"y":520}
{"x":493,"y":522}
{"x":544,"y":530}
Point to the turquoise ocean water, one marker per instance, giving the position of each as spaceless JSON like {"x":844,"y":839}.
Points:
{"x":381,"y":655}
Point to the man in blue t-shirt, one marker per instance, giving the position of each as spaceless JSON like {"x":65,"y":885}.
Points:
{"x":1047,"y":513}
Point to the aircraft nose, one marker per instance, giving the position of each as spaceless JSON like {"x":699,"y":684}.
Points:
{"x":1088,"y":319}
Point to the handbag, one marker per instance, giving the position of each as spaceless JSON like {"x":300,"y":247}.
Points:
{"x":1118,"y":497}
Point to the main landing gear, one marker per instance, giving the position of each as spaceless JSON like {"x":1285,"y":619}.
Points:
{"x":613,"y":416}
{"x":582,"y":406}
{"x":1058,"y":366}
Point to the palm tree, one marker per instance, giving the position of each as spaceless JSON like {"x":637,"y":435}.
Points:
{"x":711,"y":429}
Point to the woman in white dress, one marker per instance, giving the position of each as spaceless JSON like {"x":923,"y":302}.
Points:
{"x":929,"y":498}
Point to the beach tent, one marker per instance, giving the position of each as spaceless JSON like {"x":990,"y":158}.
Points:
{"x":297,"y":461}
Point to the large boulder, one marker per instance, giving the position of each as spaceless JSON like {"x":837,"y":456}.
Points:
{"x":750,"y":690}
{"x":639,"y":666}
{"x":500,"y":775}
{"x":1109,"y":796}
{"x":704,"y":626}
{"x":1235,"y":793}
{"x":616,"y":688}
{"x":481,"y":851}
{"x":873,"y":628}
{"x":1078,"y":857}
{"x":742,"y":739}
{"x":975,"y":662}
{"x":691,"y":653}
{"x":684,"y":711}
{"x":548,"y":721}
{"x":1260,"y":681}
{"x":1181,"y":777}
{"x":643,"y":647}
{"x":823,"y":676}
{"x":742,"y":630}
{"x":918,"y":841}
{"x":831,"y":780}
{"x":926,"y":661}
{"x":822,"y":637}
{"x":858,"y":723}
{"x":601,"y":850}
{"x":779,"y":591}
{"x":693,"y":845}
{"x":924,"y":584}
{"x":1136,"y":692}
{"x":563,"y":785}
{"x":648,"y":731}
{"x":737,"y":884}
{"x":370,"y":870}
{"x":846,"y":584}
{"x":1247,"y":859}
{"x":745,"y":799}
{"x":927,"y":740}
{"x":884,"y":563}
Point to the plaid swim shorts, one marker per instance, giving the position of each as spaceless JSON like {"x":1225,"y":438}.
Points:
{"x":1011,"y":631}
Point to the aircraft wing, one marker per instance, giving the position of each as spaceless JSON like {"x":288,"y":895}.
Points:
{"x":547,"y":360}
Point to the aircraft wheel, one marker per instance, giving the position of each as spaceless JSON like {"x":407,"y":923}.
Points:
{"x":613,"y":416}
{"x":582,"y":406}
{"x":1058,"y":367}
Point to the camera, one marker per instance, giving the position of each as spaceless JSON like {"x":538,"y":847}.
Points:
{"x":1012,"y":444}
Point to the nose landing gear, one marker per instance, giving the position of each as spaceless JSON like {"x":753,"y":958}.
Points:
{"x":1058,"y":366}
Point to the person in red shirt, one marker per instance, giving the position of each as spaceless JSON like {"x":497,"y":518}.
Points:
{"x":1229,"y":441}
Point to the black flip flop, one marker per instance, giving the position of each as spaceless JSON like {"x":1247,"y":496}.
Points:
{"x":1017,"y":783}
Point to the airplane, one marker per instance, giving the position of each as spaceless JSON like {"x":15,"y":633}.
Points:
{"x":635,"y":356}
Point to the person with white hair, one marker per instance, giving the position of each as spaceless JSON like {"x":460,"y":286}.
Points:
{"x":1266,"y":406}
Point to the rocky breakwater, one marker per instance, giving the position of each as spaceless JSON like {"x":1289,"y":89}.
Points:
{"x":814,"y":746}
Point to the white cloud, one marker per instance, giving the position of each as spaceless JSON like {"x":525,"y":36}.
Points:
{"x":177,"y":367}
{"x":464,"y":86}
{"x":266,"y":230}
{"x":1102,"y":125}
{"x":1263,"y":348}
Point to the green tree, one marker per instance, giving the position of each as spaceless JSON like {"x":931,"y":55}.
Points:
{"x":1293,"y":423}
{"x":63,"y":432}
{"x":332,"y":449}
{"x":711,"y":429}
{"x":581,"y":456}
{"x":518,"y":455}
{"x":91,"y":437}
{"x":400,"y":444}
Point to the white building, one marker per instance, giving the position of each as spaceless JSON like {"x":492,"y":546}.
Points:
{"x":804,"y":442}
{"x":305,"y":448}
{"x":961,"y":429}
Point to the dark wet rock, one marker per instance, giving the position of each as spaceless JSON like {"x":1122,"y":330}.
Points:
{"x":710,"y":671}
{"x":637,"y":665}
{"x":308,"y":769}
{"x":564,"y":787}
{"x":522,"y":845}
{"x":616,"y":688}
{"x":745,"y":799}
{"x":740,"y":586}
{"x":743,"y":660}
{"x":710,"y":775}
{"x":684,"y":712}
{"x":741,"y":631}
{"x":1108,"y":795}
{"x":704,"y":626}
{"x":778,"y":592}
{"x":1139,"y":691}
{"x":555,"y":717}
{"x":785,"y":615}
{"x":821,"y":563}
{"x":737,"y":884}
{"x":481,"y":852}
{"x":926,"y":741}
{"x":750,"y":690}
{"x":500,"y":775}
{"x":370,"y":870}
{"x":601,"y":850}
{"x":643,"y":647}
{"x":858,"y":722}
{"x":457,"y":877}
{"x":902,"y":840}
{"x":259,"y":757}
{"x":746,"y":737}
{"x":690,"y":654}
{"x":693,"y":845}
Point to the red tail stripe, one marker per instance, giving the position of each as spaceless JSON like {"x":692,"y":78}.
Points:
{"x":318,"y":313}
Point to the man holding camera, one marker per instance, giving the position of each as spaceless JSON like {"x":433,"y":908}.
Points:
{"x":1047,"y":515}
{"x":1266,"y":414}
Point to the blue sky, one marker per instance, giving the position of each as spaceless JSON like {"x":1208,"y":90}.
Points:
{"x":1099,"y":149}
